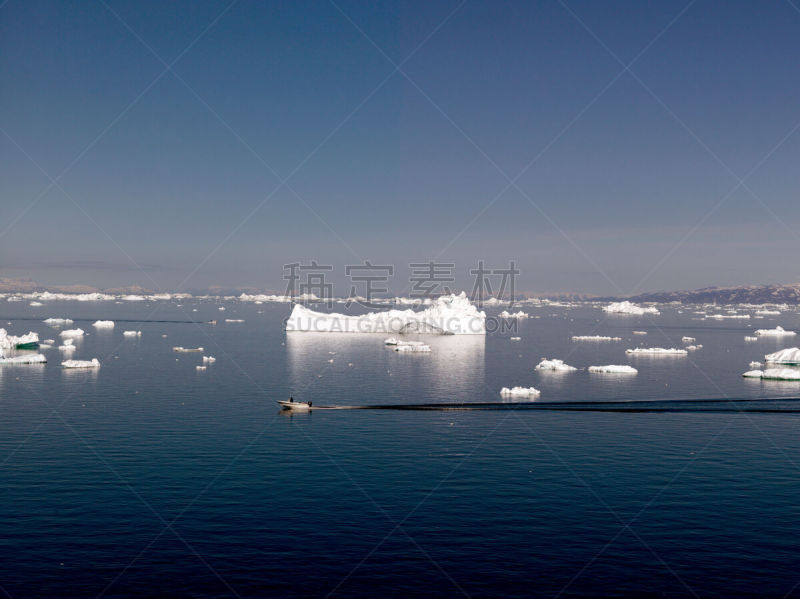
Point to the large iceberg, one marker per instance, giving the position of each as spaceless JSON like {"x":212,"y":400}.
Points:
{"x":776,"y":332}
{"x":789,"y":356}
{"x":629,"y":308}
{"x":448,"y":315}
{"x":13,"y":342}
{"x":554,"y":365}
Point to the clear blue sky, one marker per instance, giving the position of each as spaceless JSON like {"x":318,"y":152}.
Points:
{"x":179,"y":171}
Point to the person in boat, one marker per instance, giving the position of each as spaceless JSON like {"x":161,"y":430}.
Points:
{"x":291,"y":399}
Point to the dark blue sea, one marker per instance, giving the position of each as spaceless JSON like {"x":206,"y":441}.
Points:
{"x":149,"y":478}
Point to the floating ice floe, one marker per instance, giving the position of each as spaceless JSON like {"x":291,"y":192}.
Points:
{"x":513,"y":315}
{"x":200,"y":367}
{"x":694,"y":347}
{"x":688,"y":339}
{"x":776,"y":332}
{"x":514,"y":338}
{"x":103,"y":324}
{"x":234,"y":320}
{"x":45,"y":346}
{"x":627,"y":307}
{"x":768,"y":312}
{"x":520,"y":392}
{"x":725,"y":316}
{"x":29,"y":340}
{"x":71,"y":333}
{"x":613,"y":369}
{"x":29,"y":359}
{"x":57,"y":321}
{"x":755,"y":365}
{"x":640,"y":332}
{"x":412,"y":347}
{"x":554,"y":364}
{"x":36,"y":304}
{"x":656,"y":351}
{"x":774,"y":374}
{"x":188,"y":350}
{"x":209,"y":359}
{"x":594,"y":338}
{"x":132,"y":333}
{"x":93,"y":363}
{"x":749,"y":338}
{"x":68,"y":346}
{"x":789,"y":356}
{"x":447,"y":315}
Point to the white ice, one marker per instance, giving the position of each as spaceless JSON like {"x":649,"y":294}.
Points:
{"x":613,"y":369}
{"x":11,"y":341}
{"x":790,"y":355}
{"x":594,"y":338}
{"x":93,"y":363}
{"x":776,"y":332}
{"x":132,"y":333}
{"x":774,"y":374}
{"x":520,"y":392}
{"x":513,"y":315}
{"x":412,"y":347}
{"x":627,"y":307}
{"x":657,"y":351}
{"x":103,"y":324}
{"x":640,"y":332}
{"x":554,"y":364}
{"x":448,"y":315}
{"x":29,"y":359}
{"x":57,"y":321}
{"x":71,"y":333}
{"x":688,"y":339}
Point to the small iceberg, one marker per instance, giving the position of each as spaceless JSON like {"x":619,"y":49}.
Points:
{"x":68,"y":346}
{"x":749,"y":338}
{"x":131,"y":333}
{"x":554,"y":365}
{"x":594,"y":338}
{"x":234,"y":320}
{"x":30,"y":359}
{"x":776,"y":332}
{"x":656,"y":351}
{"x":103,"y":324}
{"x":71,"y":333}
{"x":36,"y":304}
{"x":640,"y":332}
{"x":27,"y":341}
{"x":188,"y":350}
{"x":520,"y":392}
{"x":209,"y":359}
{"x":513,"y":315}
{"x":200,"y":367}
{"x":688,"y":339}
{"x":514,"y":338}
{"x":768,"y":312}
{"x":774,"y":374}
{"x":755,"y":365}
{"x":629,"y":308}
{"x":93,"y":363}
{"x":789,"y":356}
{"x":613,"y":369}
{"x":56,"y":322}
{"x":412,"y":347}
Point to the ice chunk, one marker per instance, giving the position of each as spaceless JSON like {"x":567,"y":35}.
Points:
{"x":186,"y":350}
{"x":768,"y":312}
{"x":640,"y":332}
{"x":613,"y":369}
{"x":513,"y":315}
{"x":776,"y":332}
{"x":93,"y":363}
{"x":200,"y":367}
{"x":790,"y":356}
{"x":594,"y":338}
{"x":724,"y":316}
{"x":554,"y":364}
{"x":29,"y":340}
{"x":71,"y":333}
{"x":688,"y":339}
{"x":57,"y":321}
{"x":755,"y":364}
{"x":657,"y":351}
{"x":36,"y":304}
{"x":520,"y":392}
{"x":447,"y":315}
{"x":748,"y":338}
{"x":209,"y":359}
{"x":103,"y":324}
{"x":693,"y":347}
{"x":774,"y":374}
{"x":627,"y":307}
{"x":25,"y":359}
{"x":132,"y":333}
{"x":514,"y":338}
{"x":412,"y":347}
{"x":234,"y":320}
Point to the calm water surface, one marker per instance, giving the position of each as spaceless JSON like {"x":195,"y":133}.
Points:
{"x":150,"y":478}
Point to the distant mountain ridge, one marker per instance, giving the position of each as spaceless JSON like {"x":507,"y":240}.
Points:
{"x":746,"y":294}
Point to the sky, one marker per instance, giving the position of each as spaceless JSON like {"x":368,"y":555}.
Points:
{"x":603,"y":147}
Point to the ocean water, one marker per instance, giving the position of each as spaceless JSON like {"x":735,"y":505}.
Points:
{"x":149,"y":478}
